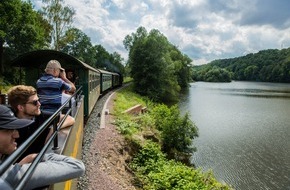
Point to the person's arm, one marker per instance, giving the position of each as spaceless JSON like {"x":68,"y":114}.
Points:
{"x":4,"y":185}
{"x":69,"y":121}
{"x":62,"y":75}
{"x":15,"y":172}
{"x":53,"y":169}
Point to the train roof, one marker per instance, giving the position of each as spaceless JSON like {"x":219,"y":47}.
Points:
{"x":41,"y":57}
{"x":107,"y":72}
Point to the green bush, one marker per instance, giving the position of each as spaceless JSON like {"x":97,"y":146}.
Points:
{"x":126,"y":127}
{"x":4,"y":86}
{"x":144,"y":162}
{"x":177,"y":132}
{"x":156,"y":172}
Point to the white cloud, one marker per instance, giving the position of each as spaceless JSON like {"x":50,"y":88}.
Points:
{"x":204,"y":30}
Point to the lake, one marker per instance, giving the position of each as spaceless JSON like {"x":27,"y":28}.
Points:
{"x":244,"y":132}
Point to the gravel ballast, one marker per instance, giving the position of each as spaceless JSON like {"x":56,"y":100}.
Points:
{"x":104,"y":152}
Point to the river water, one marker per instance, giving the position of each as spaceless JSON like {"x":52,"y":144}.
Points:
{"x":244,"y":132}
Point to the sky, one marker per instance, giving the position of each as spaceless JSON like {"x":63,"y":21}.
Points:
{"x":204,"y":30}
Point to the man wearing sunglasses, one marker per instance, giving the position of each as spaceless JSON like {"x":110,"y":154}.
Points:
{"x":25,"y":103}
{"x":51,"y":86}
{"x":52,"y":169}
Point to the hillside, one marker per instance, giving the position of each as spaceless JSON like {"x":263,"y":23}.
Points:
{"x":270,"y":65}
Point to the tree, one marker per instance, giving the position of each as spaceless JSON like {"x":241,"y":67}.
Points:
{"x":153,"y":76}
{"x":78,"y":44}
{"x":117,"y":61}
{"x":251,"y":72}
{"x":21,"y":29}
{"x":157,"y":67}
{"x":102,"y":57}
{"x":267,"y":65}
{"x":132,"y":39}
{"x":182,"y":64}
{"x":60,"y":17}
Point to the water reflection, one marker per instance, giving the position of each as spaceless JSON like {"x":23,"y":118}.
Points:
{"x":243,"y":132}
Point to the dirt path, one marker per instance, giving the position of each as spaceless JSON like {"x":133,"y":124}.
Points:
{"x":105,"y":154}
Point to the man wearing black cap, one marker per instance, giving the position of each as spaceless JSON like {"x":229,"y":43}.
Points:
{"x":8,"y":134}
{"x":53,"y":169}
{"x":8,"y":130}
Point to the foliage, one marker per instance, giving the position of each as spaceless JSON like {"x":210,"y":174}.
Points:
{"x":267,"y":65}
{"x":177,"y":132}
{"x":158,"y":68}
{"x":4,"y":86}
{"x":212,"y":74}
{"x":21,"y":30}
{"x":60,"y":17}
{"x":150,"y":165}
{"x":149,"y":155}
{"x":105,"y":60}
{"x":127,"y":79}
{"x":78,"y":44}
{"x":126,"y":127}
{"x":156,"y":172}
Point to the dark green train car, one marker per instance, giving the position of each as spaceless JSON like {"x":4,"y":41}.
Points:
{"x":90,"y":81}
{"x":106,"y":80}
{"x":84,"y":75}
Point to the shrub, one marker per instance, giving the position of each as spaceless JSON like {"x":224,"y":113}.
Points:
{"x":156,"y":172}
{"x":177,"y":132}
{"x":126,"y":127}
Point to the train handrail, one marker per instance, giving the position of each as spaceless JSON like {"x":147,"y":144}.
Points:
{"x":11,"y":159}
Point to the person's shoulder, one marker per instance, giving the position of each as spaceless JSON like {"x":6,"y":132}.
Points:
{"x":45,"y":77}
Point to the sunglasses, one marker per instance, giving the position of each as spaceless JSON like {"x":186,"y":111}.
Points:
{"x":34,"y":102}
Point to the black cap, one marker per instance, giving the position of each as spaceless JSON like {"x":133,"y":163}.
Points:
{"x":9,"y":121}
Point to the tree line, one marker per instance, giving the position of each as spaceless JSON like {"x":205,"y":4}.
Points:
{"x":270,"y":65}
{"x":23,"y":29}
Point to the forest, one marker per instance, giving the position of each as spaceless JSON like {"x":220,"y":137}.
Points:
{"x":270,"y":65}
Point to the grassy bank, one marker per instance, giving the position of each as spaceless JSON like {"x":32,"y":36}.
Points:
{"x":159,"y":140}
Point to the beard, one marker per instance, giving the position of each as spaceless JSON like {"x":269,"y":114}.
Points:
{"x":33,"y":113}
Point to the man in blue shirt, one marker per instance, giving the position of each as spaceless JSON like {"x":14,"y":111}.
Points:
{"x":51,"y":86}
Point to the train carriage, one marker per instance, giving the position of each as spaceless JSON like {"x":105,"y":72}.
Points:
{"x":116,"y":79}
{"x":86,"y":76}
{"x":106,"y":80}
{"x":91,"y":83}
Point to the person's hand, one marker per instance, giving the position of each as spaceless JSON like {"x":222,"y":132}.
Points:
{"x":62,"y":75}
{"x":28,"y":159}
